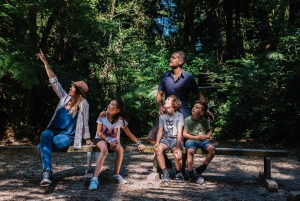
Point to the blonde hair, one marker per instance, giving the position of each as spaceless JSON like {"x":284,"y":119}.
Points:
{"x":75,"y":103}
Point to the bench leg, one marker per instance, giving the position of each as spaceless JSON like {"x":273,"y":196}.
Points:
{"x":293,"y":196}
{"x":89,"y":172}
{"x":267,"y":167}
{"x":265,"y":177}
{"x":154,"y":176}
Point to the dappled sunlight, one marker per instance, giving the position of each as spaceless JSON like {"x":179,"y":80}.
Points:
{"x":22,"y":174}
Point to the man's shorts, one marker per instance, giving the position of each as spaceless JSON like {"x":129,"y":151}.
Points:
{"x":153,"y":133}
{"x":170,"y":143}
{"x":197,"y":144}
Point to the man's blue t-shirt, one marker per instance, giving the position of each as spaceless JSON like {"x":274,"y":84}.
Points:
{"x":181,"y":88}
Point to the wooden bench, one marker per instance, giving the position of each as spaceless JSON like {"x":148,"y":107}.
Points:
{"x":265,"y":176}
{"x":33,"y":150}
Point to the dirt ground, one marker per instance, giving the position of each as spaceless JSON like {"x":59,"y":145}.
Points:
{"x":228,"y":178}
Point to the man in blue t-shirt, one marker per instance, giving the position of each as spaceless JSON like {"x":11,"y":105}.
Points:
{"x":180,"y":83}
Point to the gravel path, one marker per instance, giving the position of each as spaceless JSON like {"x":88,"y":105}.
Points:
{"x":227,"y":178}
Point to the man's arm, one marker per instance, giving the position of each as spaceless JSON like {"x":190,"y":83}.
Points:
{"x":200,"y":97}
{"x":159,"y":102}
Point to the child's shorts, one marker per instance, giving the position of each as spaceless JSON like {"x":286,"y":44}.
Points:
{"x":197,"y":144}
{"x":170,"y":143}
{"x":96,"y":140}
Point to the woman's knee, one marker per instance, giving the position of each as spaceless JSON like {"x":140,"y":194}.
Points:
{"x":46,"y":135}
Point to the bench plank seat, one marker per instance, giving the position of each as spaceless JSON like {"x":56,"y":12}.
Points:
{"x":267,"y":181}
{"x":265,"y":176}
{"x":33,"y":149}
{"x":236,"y":152}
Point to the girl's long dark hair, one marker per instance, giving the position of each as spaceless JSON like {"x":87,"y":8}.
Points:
{"x":121,"y":113}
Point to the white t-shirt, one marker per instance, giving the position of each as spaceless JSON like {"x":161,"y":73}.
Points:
{"x":111,"y":130}
{"x":170,"y":124}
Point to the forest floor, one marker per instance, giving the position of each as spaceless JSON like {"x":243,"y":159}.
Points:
{"x":227,"y":178}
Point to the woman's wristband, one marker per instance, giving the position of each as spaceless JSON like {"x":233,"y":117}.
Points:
{"x":47,"y":67}
{"x":138,"y":143}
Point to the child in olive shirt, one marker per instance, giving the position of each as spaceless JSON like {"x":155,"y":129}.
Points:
{"x":196,"y":132}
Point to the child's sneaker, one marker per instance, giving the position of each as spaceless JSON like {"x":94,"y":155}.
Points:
{"x":118,"y":178}
{"x":179,"y":178}
{"x":199,"y":170}
{"x":196,"y":179}
{"x":47,"y":178}
{"x":164,"y":180}
{"x":94,"y":184}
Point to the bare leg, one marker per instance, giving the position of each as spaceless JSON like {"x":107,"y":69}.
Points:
{"x":210,"y":155}
{"x":119,"y":158}
{"x":159,"y":154}
{"x":190,"y":158}
{"x":100,"y":161}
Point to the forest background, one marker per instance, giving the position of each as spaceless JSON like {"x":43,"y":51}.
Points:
{"x":249,"y":48}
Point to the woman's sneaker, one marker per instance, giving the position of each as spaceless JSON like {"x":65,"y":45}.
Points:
{"x":118,"y":178}
{"x":94,"y":184}
{"x":47,"y":178}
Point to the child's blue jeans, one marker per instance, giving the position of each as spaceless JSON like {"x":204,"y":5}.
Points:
{"x":51,"y":142}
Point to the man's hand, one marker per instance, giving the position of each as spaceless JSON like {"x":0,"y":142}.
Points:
{"x":210,"y":115}
{"x":161,"y":110}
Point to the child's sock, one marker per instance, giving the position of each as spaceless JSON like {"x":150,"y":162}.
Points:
{"x":201,"y":168}
{"x":165,"y":171}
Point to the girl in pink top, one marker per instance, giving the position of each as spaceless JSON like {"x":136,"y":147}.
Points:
{"x":108,"y":139}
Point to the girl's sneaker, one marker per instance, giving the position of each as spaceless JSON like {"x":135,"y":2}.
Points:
{"x":118,"y":178}
{"x":94,"y":184}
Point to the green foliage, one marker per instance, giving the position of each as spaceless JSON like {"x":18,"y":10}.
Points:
{"x":260,"y":95}
{"x":141,"y":108}
{"x":121,"y":48}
